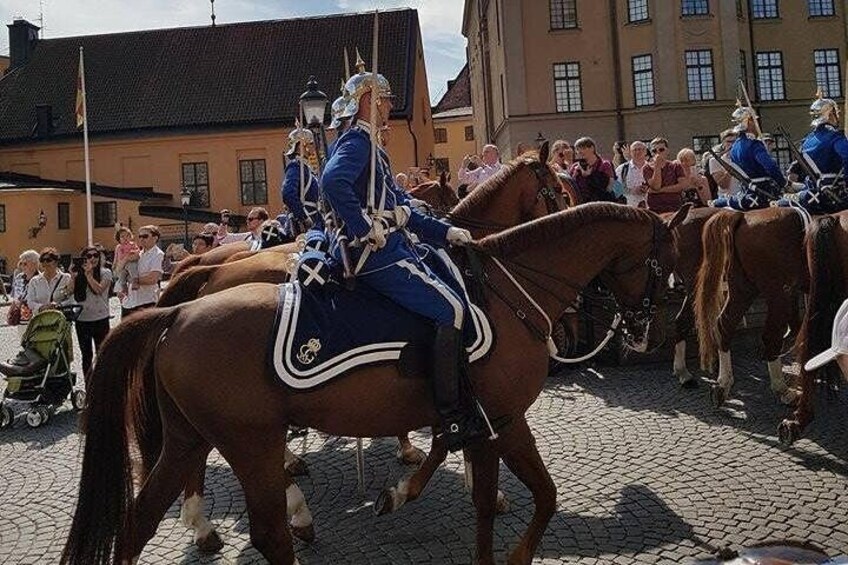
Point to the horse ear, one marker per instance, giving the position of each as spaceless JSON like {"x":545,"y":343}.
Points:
{"x":443,"y":179}
{"x":679,"y":216}
{"x":544,"y":151}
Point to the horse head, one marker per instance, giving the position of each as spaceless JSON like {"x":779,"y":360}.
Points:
{"x":640,"y":282}
{"x":438,"y":194}
{"x":524,"y":189}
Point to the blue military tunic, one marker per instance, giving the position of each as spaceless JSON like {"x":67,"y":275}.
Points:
{"x":396,"y":270}
{"x":767,"y":181}
{"x":827,"y":150}
{"x":305,"y":207}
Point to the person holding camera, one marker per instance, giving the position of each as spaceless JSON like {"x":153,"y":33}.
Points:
{"x":484,"y":166}
{"x":90,"y":289}
{"x":592,"y":174}
{"x":665,"y":177}
{"x":51,"y":288}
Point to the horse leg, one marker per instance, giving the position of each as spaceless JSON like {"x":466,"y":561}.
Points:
{"x":483,"y":461}
{"x":527,"y":465}
{"x":266,"y":492}
{"x":778,"y":318}
{"x":683,"y":323}
{"x":739,"y":300}
{"x":407,"y":453}
{"x":206,"y":538}
{"x":295,"y":465}
{"x":410,"y":488}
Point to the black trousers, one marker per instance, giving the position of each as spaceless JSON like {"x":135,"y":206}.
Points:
{"x":89,"y":333}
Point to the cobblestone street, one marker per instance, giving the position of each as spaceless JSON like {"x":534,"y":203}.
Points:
{"x":646,"y":473}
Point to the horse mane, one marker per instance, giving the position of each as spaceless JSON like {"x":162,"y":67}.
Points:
{"x":556,"y":226}
{"x":481,"y":196}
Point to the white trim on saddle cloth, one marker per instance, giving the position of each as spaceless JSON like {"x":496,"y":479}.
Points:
{"x":284,"y":348}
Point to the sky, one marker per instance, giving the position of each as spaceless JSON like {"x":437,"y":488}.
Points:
{"x":441,"y":21}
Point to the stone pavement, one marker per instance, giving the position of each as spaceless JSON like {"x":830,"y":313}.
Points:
{"x":646,"y":473}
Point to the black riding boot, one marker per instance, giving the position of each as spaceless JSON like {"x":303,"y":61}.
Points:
{"x":461,"y":425}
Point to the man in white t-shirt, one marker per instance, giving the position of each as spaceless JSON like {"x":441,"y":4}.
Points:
{"x":255,"y":218}
{"x":144,"y":289}
{"x":727,"y":185}
{"x":487,"y":165}
{"x":630,"y":174}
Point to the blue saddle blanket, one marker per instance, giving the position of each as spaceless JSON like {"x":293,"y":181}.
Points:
{"x":319,"y":336}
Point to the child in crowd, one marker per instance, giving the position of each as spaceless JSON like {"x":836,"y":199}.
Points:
{"x":126,"y":260}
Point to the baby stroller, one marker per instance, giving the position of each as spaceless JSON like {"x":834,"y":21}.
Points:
{"x":40,"y":375}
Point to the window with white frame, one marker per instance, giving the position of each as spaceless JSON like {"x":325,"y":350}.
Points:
{"x":699,"y":75}
{"x":820,"y":8}
{"x":637,"y":10}
{"x":770,"y":75}
{"x":694,"y":7}
{"x":567,"y":87}
{"x":781,"y":152}
{"x":563,"y":14}
{"x":700,"y":143}
{"x":764,"y":9}
{"x":643,"y":80}
{"x":827,"y":72}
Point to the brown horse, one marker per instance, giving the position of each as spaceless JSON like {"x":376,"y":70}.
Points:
{"x":512,"y":196}
{"x":827,"y":259}
{"x":760,"y":253}
{"x":689,"y":248}
{"x":438,"y":194}
{"x":224,"y":396}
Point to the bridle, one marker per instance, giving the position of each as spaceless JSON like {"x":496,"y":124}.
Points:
{"x":639,"y":315}
{"x":544,"y":191}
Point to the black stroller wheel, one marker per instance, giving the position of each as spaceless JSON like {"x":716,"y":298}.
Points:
{"x":78,"y":399}
{"x":7,"y":417}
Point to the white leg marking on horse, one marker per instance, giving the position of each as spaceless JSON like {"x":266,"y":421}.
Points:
{"x":680,"y":371}
{"x":296,"y":507}
{"x":400,"y":493}
{"x":469,"y":474}
{"x":725,"y":371}
{"x":192,"y":517}
{"x":778,"y":383}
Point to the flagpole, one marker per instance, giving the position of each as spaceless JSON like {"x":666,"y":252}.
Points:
{"x":88,"y":205}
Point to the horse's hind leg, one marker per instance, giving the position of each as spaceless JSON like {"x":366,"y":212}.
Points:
{"x":206,"y":538}
{"x":740,"y":296}
{"x":410,"y":488}
{"x":778,"y":318}
{"x":524,"y":461}
{"x":683,"y":324}
{"x":266,"y":489}
{"x":484,"y":471}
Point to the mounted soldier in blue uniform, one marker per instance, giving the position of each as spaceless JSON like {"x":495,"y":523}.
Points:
{"x":377,"y":218}
{"x":752,"y":162}
{"x":339,"y":122}
{"x":824,"y":153}
{"x":301,"y":191}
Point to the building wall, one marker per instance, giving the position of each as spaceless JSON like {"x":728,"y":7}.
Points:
{"x":525,"y":48}
{"x":155,"y":162}
{"x":456,"y":147}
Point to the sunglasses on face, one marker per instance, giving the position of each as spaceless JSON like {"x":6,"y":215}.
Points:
{"x":660,"y":149}
{"x":92,"y":255}
{"x":143,"y":235}
{"x":48,"y":258}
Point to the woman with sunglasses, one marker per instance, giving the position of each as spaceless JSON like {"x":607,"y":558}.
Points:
{"x":50,"y":288}
{"x":90,"y":289}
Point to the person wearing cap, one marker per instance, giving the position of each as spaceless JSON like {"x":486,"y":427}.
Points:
{"x":838,"y":350}
{"x":825,"y":153}
{"x":382,"y":255}
{"x":301,"y":192}
{"x":751,"y":158}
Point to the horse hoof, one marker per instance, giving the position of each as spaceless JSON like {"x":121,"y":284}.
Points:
{"x":305,"y":533}
{"x":690,"y":383}
{"x":788,"y":397}
{"x":788,"y":432}
{"x":717,"y":396}
{"x":297,"y":468}
{"x":385,"y":503}
{"x":210,"y":544}
{"x":502,"y":504}
{"x":411,"y":455}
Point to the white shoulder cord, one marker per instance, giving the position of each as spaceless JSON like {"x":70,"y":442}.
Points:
{"x":552,"y":348}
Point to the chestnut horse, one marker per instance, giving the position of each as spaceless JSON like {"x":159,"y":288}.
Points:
{"x":827,"y":259}
{"x":225,"y":395}
{"x":512,"y":196}
{"x":760,"y":253}
{"x":438,"y":194}
{"x":689,"y":249}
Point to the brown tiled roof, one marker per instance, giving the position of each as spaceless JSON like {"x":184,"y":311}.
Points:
{"x":230,"y":75}
{"x":458,"y":94}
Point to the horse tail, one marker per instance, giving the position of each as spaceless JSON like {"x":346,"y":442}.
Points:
{"x":827,"y":290}
{"x":103,"y":520}
{"x":186,"y":286}
{"x":717,"y":243}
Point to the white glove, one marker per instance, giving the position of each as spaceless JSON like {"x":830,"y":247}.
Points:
{"x":402,"y":214}
{"x":458,"y":236}
{"x":420,"y":205}
{"x":376,"y":238}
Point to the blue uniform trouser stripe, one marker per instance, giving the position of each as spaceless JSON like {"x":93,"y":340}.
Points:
{"x":417,"y":289}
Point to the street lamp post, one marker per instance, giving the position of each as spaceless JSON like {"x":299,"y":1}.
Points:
{"x":313,"y":106}
{"x":185,"y":199}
